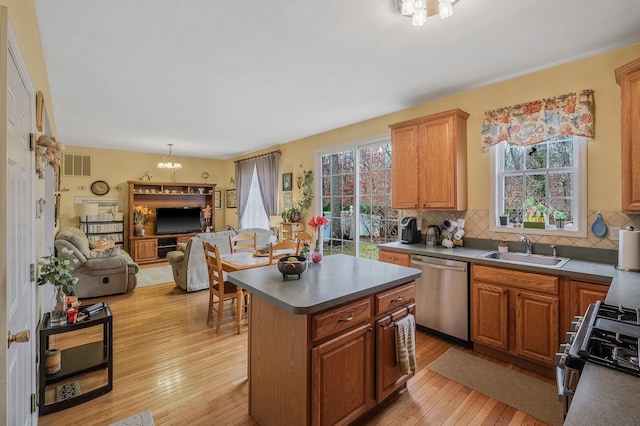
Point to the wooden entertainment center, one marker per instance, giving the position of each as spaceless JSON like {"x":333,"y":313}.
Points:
{"x":151,"y":247}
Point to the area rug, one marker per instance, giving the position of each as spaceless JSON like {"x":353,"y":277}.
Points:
{"x":525,"y":393}
{"x":154,"y":275}
{"x":141,"y":419}
{"x":68,"y":391}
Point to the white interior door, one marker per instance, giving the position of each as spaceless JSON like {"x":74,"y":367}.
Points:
{"x":17,"y":232}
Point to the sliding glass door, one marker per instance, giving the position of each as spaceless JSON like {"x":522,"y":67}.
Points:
{"x":356,"y":199}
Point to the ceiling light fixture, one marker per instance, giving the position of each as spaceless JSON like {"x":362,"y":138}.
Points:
{"x":420,"y":10}
{"x":171,"y":163}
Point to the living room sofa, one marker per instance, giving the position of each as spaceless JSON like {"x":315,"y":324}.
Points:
{"x":99,"y":272}
{"x":189,"y":265}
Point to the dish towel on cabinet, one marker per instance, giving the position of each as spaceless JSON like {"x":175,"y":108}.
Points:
{"x":406,"y":344}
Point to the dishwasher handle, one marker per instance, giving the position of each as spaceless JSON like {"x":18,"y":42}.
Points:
{"x":436,"y":266}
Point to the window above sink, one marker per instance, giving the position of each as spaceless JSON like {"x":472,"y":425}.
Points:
{"x":543,"y":185}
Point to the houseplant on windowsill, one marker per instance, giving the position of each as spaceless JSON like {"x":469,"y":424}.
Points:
{"x":560,"y":217}
{"x":58,"y":271}
{"x":536,"y":214}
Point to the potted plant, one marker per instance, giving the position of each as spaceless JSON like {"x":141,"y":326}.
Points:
{"x":291,"y":214}
{"x":536,"y":214}
{"x":58,"y":271}
{"x":560,"y":216}
{"x":504,"y":218}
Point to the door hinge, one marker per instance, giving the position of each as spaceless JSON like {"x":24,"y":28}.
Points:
{"x":34,"y":403}
{"x":32,"y":141}
{"x":32,"y":272}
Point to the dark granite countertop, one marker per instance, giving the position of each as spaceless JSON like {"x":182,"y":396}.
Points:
{"x":336,"y":280}
{"x":604,"y":396}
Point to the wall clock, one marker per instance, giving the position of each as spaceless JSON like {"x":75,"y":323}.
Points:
{"x":100,"y":187}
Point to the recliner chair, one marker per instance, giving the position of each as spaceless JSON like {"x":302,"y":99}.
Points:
{"x":98,"y":274}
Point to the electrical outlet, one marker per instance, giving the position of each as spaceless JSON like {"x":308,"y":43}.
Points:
{"x":615,"y":233}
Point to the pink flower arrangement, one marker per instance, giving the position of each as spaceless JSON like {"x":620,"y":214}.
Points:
{"x":317,"y":222}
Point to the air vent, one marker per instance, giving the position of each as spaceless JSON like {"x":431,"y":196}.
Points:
{"x":77,"y":165}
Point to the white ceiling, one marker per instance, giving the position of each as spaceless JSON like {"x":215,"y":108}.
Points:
{"x":224,"y":78}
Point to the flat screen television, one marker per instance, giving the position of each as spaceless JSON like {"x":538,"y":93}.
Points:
{"x":177,"y":220}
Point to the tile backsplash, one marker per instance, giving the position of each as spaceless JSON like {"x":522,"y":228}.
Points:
{"x":477,"y":226}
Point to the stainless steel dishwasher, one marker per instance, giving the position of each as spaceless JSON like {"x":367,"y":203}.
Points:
{"x":442,"y":296}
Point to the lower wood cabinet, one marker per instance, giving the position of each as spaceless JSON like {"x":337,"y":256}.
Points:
{"x":402,"y":259}
{"x":356,"y":369}
{"x":145,"y":250}
{"x":582,"y":294}
{"x":515,"y":312}
{"x":327,"y":368}
{"x":342,"y":377}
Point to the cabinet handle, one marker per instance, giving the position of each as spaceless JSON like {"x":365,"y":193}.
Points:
{"x":397,"y":299}
{"x":349,"y":318}
{"x":369,"y":329}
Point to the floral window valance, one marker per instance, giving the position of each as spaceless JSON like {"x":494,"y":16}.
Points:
{"x":539,"y":121}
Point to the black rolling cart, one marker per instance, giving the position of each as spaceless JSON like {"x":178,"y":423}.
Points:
{"x":85,"y":370}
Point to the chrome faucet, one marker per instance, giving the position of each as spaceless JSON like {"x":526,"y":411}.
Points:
{"x":554,"y":251}
{"x":527,"y":243}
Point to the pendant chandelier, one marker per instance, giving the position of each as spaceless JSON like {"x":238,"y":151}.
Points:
{"x":420,"y":10}
{"x":171,"y":163}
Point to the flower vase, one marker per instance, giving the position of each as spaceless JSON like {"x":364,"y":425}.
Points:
{"x":58,"y":314}
{"x":138,"y":230}
{"x":317,"y":255}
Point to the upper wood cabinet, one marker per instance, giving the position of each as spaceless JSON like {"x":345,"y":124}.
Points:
{"x":628,"y":77}
{"x":429,"y":166}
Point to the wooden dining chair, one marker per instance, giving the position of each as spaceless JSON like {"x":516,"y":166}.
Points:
{"x":305,"y":237}
{"x":292,"y":247}
{"x":223,"y":290}
{"x":242,"y":242}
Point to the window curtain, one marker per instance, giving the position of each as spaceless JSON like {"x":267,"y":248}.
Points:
{"x":539,"y":121}
{"x":244,"y":173}
{"x":267,"y":167}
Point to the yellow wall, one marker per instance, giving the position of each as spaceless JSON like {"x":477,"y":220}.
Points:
{"x":597,"y":73}
{"x":117,"y":167}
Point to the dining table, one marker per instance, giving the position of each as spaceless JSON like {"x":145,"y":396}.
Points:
{"x":242,"y":260}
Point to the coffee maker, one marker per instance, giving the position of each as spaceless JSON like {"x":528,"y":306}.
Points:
{"x":410,"y":232}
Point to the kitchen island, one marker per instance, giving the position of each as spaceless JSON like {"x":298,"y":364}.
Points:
{"x":321,"y":347}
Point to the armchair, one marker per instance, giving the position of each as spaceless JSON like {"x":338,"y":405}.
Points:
{"x":97,"y":276}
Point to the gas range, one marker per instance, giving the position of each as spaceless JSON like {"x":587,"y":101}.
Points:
{"x":607,"y":335}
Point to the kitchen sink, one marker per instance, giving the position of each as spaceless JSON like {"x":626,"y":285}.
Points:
{"x":527,"y":259}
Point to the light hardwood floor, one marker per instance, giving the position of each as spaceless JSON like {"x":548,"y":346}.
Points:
{"x":167,"y":359}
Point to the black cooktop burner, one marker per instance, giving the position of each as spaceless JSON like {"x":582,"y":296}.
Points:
{"x":612,"y":338}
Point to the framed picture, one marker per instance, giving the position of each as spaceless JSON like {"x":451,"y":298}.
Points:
{"x":287,"y":178}
{"x":288,"y":199}
{"x":231,"y":199}
{"x":218,"y":199}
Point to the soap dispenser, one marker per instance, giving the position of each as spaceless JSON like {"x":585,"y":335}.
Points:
{"x":503,"y":247}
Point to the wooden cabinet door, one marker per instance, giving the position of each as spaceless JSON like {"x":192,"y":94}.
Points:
{"x":405,"y":161}
{"x":402,"y":259}
{"x":536,"y":326}
{"x":489,"y":315}
{"x":628,"y":77}
{"x":389,"y":378}
{"x":437,"y":170}
{"x":146,"y":249}
{"x":582,"y":294}
{"x":342,"y":382}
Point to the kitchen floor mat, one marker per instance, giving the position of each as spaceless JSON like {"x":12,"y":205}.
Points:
{"x":525,"y":393}
{"x":141,"y":419}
